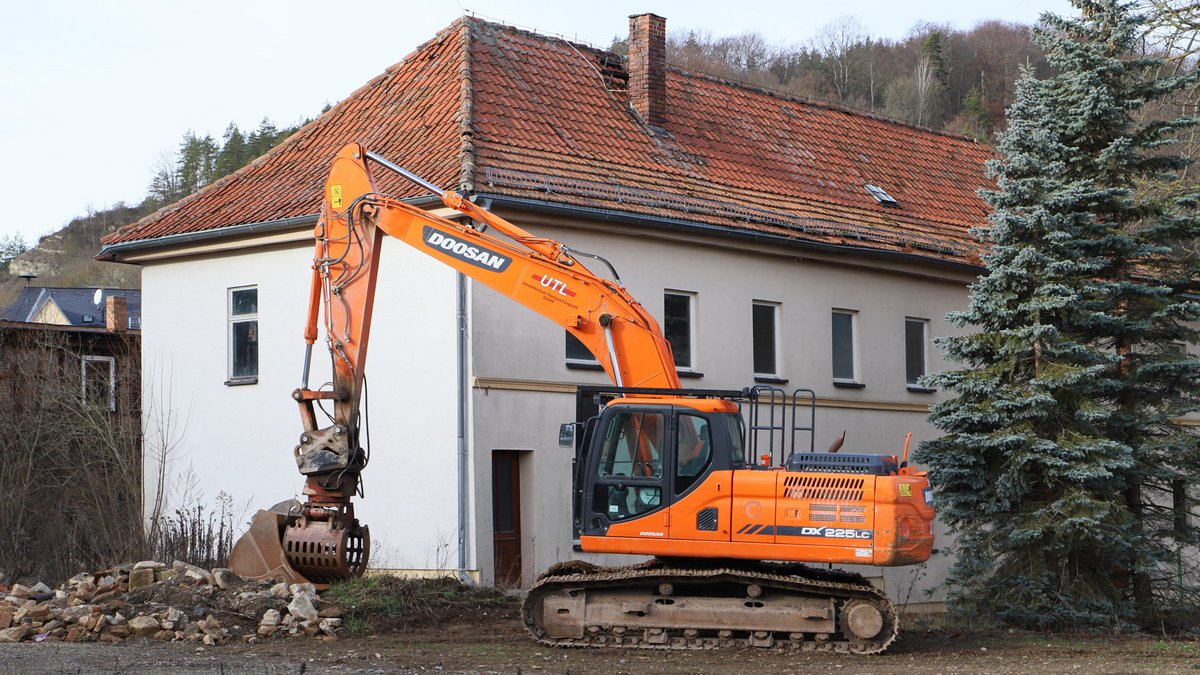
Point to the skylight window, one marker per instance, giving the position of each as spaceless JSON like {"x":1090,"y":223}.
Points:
{"x":881,"y":195}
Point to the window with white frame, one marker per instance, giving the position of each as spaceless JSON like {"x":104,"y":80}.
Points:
{"x":679,"y":326}
{"x":916,"y":350}
{"x":243,"y":334}
{"x":845,"y":346}
{"x":98,"y":382}
{"x":765,"y":330}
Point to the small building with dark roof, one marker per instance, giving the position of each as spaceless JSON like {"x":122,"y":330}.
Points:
{"x":81,"y":307}
{"x":780,"y":241}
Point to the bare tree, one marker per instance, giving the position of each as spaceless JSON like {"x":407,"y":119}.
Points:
{"x":71,"y":475}
{"x":925,"y":81}
{"x":1173,"y":34}
{"x":836,"y":42}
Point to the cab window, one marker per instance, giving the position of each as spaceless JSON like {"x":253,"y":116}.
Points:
{"x":694,"y":453}
{"x":733,"y":427}
{"x":633,"y":445}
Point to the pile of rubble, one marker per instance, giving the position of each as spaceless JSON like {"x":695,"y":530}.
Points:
{"x":164,"y":602}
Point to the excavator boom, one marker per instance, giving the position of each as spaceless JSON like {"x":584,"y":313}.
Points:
{"x":320,"y":540}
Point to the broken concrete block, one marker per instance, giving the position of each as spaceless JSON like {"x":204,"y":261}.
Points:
{"x":301,"y":606}
{"x":86,"y":589}
{"x":15,"y":634}
{"x":41,"y":592}
{"x":140,"y":578}
{"x":78,"y":579}
{"x":78,"y":613}
{"x":270,"y":618}
{"x":144,"y":625}
{"x":296,"y":589}
{"x":280,"y":590}
{"x":149,"y":565}
{"x":165,"y":635}
{"x":225,"y":578}
{"x":39,"y":612}
{"x":210,"y":626}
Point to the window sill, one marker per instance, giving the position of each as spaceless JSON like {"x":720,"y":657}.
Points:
{"x":921,"y":390}
{"x":689,"y":374}
{"x":240,"y":381}
{"x":770,"y":379}
{"x":584,"y":365}
{"x":848,"y":384}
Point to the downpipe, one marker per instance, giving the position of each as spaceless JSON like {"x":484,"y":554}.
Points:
{"x":461,"y":320}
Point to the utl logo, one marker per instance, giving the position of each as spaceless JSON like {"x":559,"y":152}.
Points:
{"x":554,"y":285}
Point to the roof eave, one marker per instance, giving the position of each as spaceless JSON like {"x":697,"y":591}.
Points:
{"x":113,"y":252}
{"x":728,"y":232}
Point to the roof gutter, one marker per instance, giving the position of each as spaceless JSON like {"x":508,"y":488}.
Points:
{"x":662,"y":223}
{"x":111,"y":252}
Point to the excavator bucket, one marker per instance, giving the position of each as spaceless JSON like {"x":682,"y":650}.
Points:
{"x":296,"y":542}
{"x":259,"y":553}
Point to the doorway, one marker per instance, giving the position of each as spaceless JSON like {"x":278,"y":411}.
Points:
{"x":506,"y":517}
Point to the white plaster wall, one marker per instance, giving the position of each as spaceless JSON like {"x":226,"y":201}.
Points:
{"x":239,"y":439}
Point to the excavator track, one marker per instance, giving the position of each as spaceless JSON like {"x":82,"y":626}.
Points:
{"x":658,"y":605}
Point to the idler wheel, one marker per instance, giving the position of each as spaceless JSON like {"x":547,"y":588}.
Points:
{"x":864,"y":620}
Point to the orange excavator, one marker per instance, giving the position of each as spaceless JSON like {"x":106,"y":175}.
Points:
{"x":660,"y":471}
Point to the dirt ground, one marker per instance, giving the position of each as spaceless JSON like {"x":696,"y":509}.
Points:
{"x":501,"y":646}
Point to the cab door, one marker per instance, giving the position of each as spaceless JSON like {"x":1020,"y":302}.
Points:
{"x":627,"y":475}
{"x":701,"y":482}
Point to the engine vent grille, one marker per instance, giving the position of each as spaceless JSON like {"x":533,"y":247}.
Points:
{"x":837,"y":513}
{"x":706,"y":520}
{"x":823,"y":488}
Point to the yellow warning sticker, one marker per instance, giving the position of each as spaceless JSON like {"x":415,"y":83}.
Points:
{"x":335,"y":196}
{"x":905,"y":490}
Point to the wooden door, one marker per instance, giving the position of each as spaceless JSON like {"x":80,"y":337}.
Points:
{"x":506,"y":517}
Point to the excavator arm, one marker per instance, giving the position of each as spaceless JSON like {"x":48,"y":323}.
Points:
{"x":321,"y":539}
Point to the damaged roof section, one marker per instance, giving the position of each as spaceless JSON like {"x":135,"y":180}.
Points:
{"x":488,"y":108}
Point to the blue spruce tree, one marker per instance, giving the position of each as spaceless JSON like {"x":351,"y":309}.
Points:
{"x":1063,"y":467}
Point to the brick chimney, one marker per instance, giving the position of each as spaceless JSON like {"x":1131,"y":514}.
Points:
{"x":114,"y":314}
{"x":648,"y":67}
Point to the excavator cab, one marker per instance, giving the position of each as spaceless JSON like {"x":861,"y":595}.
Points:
{"x":644,"y":457}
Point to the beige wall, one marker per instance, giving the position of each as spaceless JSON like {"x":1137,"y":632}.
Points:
{"x":513,"y":348}
{"x":50,"y":313}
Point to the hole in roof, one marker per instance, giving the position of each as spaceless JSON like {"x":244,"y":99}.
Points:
{"x":881,"y":195}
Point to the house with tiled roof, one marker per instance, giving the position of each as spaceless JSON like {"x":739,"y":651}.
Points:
{"x":778,"y":241}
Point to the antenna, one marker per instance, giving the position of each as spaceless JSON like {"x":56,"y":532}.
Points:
{"x":27,"y":276}
{"x":97,"y":296}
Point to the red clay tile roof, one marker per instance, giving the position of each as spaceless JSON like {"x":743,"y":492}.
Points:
{"x":496,"y":110}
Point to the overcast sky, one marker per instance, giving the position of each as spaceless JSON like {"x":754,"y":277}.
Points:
{"x":94,"y":93}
